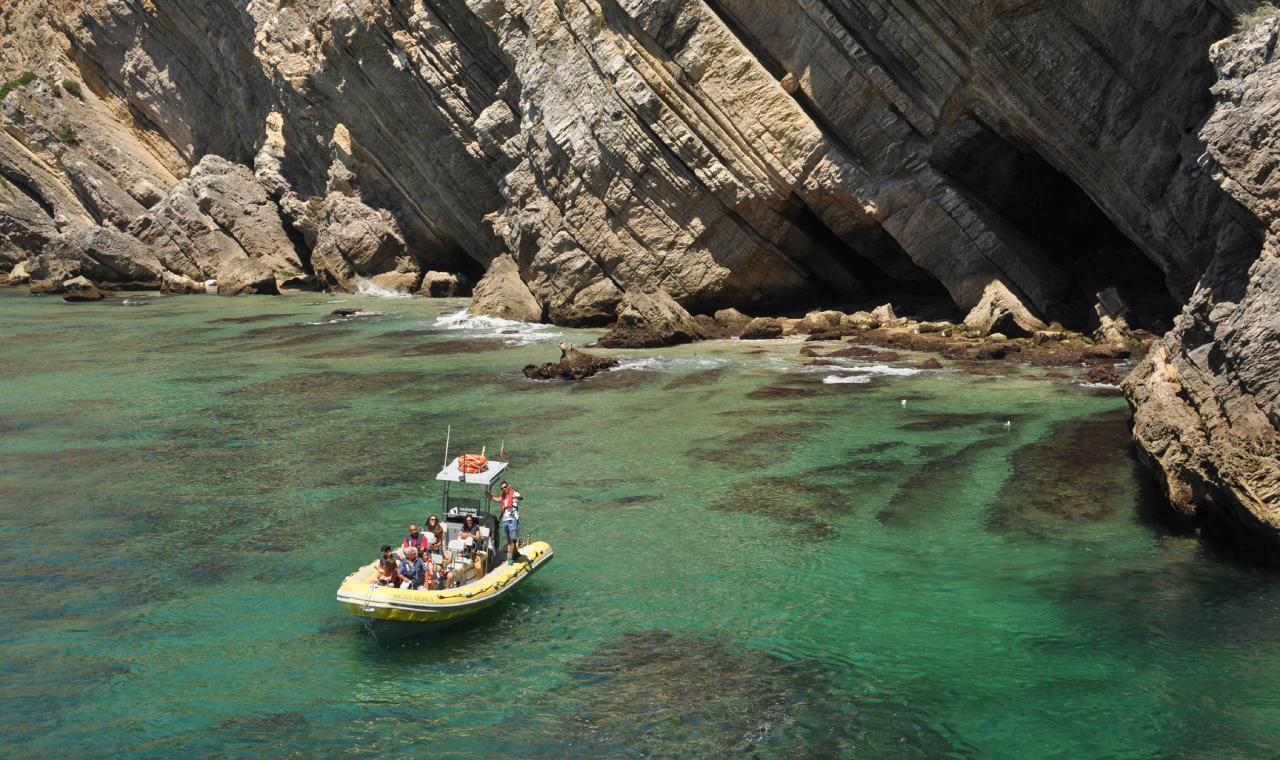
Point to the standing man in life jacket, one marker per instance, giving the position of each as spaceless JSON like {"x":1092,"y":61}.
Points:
{"x":509,"y":498}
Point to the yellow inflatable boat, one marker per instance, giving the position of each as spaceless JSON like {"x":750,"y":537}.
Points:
{"x":482,"y":575}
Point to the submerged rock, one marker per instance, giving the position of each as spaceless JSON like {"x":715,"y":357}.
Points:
{"x":573,"y":365}
{"x":1103,"y":374}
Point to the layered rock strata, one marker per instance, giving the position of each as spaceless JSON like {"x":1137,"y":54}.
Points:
{"x":1206,"y":411}
{"x":726,"y":152}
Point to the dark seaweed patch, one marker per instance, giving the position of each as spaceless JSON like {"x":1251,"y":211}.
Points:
{"x":695,"y":379}
{"x":797,"y":386}
{"x":661,"y":694}
{"x":1073,"y":475}
{"x":935,"y":489}
{"x":450,"y":347}
{"x":935,"y":421}
{"x":250,"y":319}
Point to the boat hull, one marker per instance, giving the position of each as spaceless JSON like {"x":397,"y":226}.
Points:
{"x":390,"y":613}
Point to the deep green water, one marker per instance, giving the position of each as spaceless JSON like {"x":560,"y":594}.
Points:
{"x":749,"y":561}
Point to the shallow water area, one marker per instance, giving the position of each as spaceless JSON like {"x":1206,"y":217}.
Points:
{"x":751,"y":558}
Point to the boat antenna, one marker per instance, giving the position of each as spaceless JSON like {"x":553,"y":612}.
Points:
{"x":448,"y":432}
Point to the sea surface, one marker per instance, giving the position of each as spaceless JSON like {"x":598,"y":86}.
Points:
{"x":753,"y":557}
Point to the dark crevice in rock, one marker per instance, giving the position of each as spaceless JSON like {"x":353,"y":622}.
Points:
{"x":26,"y":189}
{"x":1045,"y":205}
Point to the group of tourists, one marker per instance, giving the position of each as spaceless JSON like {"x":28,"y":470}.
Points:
{"x":423,"y":561}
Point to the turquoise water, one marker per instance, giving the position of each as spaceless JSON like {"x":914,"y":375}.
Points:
{"x":749,"y":561}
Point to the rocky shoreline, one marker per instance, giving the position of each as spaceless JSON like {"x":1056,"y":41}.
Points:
{"x":1067,"y":179}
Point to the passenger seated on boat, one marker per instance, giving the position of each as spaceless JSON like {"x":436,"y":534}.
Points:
{"x":438,"y":576}
{"x":387,"y":553}
{"x":416,"y":539}
{"x":412,"y":571}
{"x":388,"y":572}
{"x":469,"y":528}
{"x":436,"y":529}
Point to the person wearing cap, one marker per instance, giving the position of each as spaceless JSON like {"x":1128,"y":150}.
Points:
{"x":412,"y":571}
{"x":509,"y":498}
{"x":388,"y":574}
{"x":416,"y":538}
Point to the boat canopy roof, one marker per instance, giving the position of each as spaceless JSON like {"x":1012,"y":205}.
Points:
{"x":486,"y":477}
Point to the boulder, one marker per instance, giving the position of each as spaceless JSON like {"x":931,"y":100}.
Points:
{"x":296,"y":281}
{"x":573,"y":365}
{"x":931,"y":363}
{"x":762,"y":328}
{"x":19,"y":274}
{"x":644,"y":314}
{"x":501,"y":293}
{"x":219,"y":212}
{"x":934,"y":327}
{"x":630,"y":337}
{"x":177,"y":283}
{"x":1103,"y":374}
{"x":400,"y":282}
{"x":440,"y":285}
{"x":732,"y":320}
{"x":80,"y":289}
{"x":819,"y":322}
{"x":1112,"y":330}
{"x":355,"y":240}
{"x":709,"y":329}
{"x":241,"y":275}
{"x":860,"y":320}
{"x":886,"y":317}
{"x":999,"y":310}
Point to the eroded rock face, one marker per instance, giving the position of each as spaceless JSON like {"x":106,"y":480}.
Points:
{"x":729,"y":153}
{"x":1205,"y":398}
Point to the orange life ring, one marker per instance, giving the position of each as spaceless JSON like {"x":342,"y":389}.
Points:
{"x":473,"y":463}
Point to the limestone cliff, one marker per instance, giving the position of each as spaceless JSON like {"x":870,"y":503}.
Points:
{"x":728,"y":152}
{"x":739,"y":153}
{"x":1205,"y":401}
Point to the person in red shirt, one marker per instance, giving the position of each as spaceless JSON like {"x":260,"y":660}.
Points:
{"x":509,"y":498}
{"x":416,"y":539}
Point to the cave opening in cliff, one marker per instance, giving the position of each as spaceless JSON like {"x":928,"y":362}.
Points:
{"x":1045,"y":205}
{"x":863,"y":268}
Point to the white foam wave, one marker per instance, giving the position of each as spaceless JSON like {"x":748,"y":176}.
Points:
{"x":885,"y":369}
{"x":662,"y":363}
{"x":846,"y":379}
{"x":514,"y":332}
{"x":651,"y":363}
{"x":1105,"y":386}
{"x":367,"y":287}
